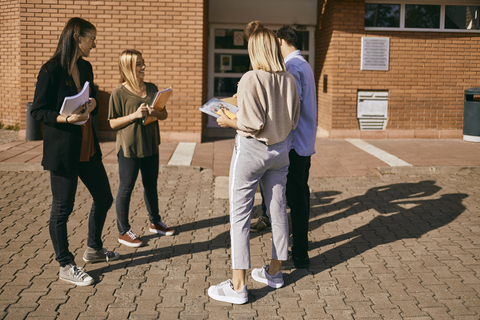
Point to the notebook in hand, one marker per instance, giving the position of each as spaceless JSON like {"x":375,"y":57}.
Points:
{"x":159,"y":102}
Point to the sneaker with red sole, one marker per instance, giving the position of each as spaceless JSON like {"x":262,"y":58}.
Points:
{"x":160,"y":228}
{"x":130,"y":239}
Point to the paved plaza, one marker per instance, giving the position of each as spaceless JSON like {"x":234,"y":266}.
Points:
{"x":402,"y":245}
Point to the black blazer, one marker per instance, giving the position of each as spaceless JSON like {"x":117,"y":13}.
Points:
{"x":62,"y":142}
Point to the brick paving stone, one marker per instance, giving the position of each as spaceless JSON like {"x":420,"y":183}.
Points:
{"x":145,"y":309}
{"x":95,"y":316}
{"x":410,"y":309}
{"x":363,"y":310}
{"x":194,"y":309}
{"x":120,"y":312}
{"x":266,"y":310}
{"x":18,"y":313}
{"x":456,"y":307}
{"x":169,"y":312}
{"x":44,"y":315}
{"x":391,"y":314}
{"x":242,"y":312}
{"x":386,"y":247}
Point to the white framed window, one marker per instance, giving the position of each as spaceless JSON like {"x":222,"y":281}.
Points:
{"x":228,"y":56}
{"x":426,"y":15}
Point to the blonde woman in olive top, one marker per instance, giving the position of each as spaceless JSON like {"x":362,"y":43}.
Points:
{"x":137,"y":144}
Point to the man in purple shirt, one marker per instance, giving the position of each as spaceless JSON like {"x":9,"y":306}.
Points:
{"x":302,"y":147}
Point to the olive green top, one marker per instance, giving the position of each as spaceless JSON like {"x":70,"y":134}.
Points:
{"x":135,"y":139}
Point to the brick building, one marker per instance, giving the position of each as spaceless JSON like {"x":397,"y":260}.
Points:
{"x":418,"y":56}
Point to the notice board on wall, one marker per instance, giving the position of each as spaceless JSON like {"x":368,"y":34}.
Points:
{"x":375,"y":53}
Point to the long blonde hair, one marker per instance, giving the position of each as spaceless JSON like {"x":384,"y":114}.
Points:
{"x":127,"y":64}
{"x":264,"y":51}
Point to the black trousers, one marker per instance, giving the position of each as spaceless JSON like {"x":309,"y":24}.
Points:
{"x":298,"y":200}
{"x":64,"y":186}
{"x":128,"y":169}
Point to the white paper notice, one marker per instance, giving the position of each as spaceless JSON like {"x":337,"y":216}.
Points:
{"x":375,"y":53}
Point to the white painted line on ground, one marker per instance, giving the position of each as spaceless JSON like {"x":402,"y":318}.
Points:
{"x":183,"y":154}
{"x":386,"y":157}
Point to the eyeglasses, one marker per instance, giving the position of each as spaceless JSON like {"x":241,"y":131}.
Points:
{"x":93,"y":37}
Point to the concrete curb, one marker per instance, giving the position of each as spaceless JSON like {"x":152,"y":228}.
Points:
{"x":110,"y":168}
{"x":429,"y":170}
{"x":5,"y":166}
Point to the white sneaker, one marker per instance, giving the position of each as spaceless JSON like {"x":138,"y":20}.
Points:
{"x":75,"y":275}
{"x":224,"y":292}
{"x":261,"y":275}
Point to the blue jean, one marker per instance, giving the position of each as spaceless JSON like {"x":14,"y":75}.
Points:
{"x":128,"y":169}
{"x":64,"y":186}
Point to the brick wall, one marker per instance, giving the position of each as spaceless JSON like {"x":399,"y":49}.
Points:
{"x":205,"y":58}
{"x":324,"y":65}
{"x":10,"y":108}
{"x":169,"y":33}
{"x":426,"y":80}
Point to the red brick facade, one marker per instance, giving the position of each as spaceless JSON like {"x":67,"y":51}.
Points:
{"x":170,"y":34}
{"x":10,"y":113}
{"x":428,"y":74}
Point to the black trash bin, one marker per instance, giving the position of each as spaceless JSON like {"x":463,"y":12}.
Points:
{"x":33,"y":131}
{"x":471,"y":115}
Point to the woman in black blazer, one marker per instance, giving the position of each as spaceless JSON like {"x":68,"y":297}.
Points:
{"x":71,"y":149}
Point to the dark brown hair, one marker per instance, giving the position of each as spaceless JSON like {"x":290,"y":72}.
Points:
{"x":289,"y":35}
{"x":67,"y":44}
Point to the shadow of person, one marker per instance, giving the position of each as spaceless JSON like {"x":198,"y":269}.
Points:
{"x":402,"y":219}
{"x":380,"y":199}
{"x":395,"y":222}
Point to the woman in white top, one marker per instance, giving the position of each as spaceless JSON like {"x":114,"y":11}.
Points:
{"x":269,"y":108}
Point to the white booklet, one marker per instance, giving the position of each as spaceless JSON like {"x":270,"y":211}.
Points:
{"x":213,"y":106}
{"x":71,"y":104}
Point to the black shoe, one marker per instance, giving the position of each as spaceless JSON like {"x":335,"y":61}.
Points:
{"x":262,"y":223}
{"x":292,"y":263}
{"x":301,"y":263}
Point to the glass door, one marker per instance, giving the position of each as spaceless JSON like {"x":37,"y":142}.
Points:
{"x":228,"y":58}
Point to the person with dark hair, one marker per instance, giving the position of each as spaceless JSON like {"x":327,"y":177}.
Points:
{"x":303,"y":147}
{"x":137,"y":144}
{"x":289,"y":34}
{"x":71,"y":149}
{"x":268,"y":110}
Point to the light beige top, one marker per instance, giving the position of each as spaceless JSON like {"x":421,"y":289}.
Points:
{"x":268,"y":105}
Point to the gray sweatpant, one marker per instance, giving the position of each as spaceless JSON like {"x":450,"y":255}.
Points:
{"x":254,"y":162}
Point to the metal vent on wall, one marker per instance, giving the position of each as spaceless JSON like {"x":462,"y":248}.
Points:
{"x":372,"y":110}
